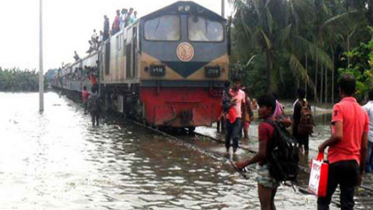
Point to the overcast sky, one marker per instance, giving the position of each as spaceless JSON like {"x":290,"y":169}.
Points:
{"x":68,"y":25}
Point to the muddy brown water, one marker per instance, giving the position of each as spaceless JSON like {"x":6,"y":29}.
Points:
{"x":57,"y":160}
{"x":364,"y":198}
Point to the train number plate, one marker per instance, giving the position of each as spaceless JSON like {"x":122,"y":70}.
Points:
{"x":212,"y":72}
{"x":158,"y":71}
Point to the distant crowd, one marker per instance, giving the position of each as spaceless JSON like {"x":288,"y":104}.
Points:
{"x":122,"y":19}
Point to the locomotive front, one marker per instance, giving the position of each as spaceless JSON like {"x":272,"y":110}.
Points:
{"x":183,"y":65}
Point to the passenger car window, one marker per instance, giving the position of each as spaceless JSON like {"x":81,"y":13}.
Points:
{"x":164,"y":28}
{"x":202,"y":29}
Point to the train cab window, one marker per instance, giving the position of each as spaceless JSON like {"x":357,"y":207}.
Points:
{"x":202,"y":29}
{"x":164,"y":28}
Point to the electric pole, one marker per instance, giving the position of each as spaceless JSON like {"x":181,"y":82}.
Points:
{"x":41,"y":76}
{"x":222,"y":8}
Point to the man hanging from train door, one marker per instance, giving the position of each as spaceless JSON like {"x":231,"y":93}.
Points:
{"x":234,"y":116}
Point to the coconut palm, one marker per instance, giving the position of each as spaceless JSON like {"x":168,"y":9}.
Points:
{"x":274,"y":28}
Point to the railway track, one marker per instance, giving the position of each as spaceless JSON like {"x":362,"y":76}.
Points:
{"x":363,"y":197}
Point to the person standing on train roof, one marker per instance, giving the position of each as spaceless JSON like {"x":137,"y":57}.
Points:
{"x":106,"y":28}
{"x":116,"y":23}
{"x":234,"y":116}
{"x":347,"y":146}
{"x":123,"y":18}
{"x":128,"y":21}
{"x":134,"y":16}
{"x":85,"y":95}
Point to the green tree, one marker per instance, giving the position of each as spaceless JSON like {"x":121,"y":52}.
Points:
{"x":273,"y":28}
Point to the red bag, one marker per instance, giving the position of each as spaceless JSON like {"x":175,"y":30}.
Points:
{"x":232,"y":115}
{"x":318,"y":182}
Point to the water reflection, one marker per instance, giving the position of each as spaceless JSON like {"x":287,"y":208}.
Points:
{"x":56,"y":160}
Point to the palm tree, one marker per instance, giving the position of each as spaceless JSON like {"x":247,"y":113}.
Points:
{"x":272,"y":28}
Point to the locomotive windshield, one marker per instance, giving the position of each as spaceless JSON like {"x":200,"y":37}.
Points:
{"x":164,"y":28}
{"x":202,"y":29}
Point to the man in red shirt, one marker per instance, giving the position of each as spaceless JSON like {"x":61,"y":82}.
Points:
{"x":116,"y":23}
{"x":347,"y":146}
{"x":267,"y":185}
{"x":85,"y":95}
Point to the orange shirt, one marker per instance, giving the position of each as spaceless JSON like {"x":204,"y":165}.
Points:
{"x":93,"y":79}
{"x":355,"y":122}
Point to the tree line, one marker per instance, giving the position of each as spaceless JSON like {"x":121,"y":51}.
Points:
{"x":281,"y":45}
{"x":16,"y":80}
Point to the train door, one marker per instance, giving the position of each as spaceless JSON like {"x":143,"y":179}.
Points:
{"x":107,"y":58}
{"x":134,"y":51}
{"x":117,"y":57}
{"x":128,"y":53}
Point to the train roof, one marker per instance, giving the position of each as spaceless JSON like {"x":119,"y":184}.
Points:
{"x":179,"y":8}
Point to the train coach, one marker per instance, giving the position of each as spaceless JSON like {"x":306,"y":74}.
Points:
{"x":166,"y":69}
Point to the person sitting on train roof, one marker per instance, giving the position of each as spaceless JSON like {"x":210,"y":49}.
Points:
{"x":94,"y":37}
{"x":122,"y":18}
{"x":116,"y":23}
{"x":76,"y":56}
{"x":101,"y":38}
{"x":91,"y":47}
{"x":106,"y":28}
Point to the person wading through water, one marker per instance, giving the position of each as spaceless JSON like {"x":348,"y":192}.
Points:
{"x":236,"y":111}
{"x":347,"y":147}
{"x":94,"y":107}
{"x":267,"y":185}
{"x":300,"y":132}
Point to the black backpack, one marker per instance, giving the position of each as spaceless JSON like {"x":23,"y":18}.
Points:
{"x":283,"y":154}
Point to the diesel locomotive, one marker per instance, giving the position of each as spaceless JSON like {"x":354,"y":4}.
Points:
{"x":166,"y":69}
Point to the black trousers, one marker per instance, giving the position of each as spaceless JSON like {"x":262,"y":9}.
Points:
{"x":346,"y":175}
{"x":303,"y":140}
{"x":231,"y":132}
{"x":94,"y":117}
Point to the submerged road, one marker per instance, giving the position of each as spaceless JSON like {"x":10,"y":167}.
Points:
{"x":57,"y":160}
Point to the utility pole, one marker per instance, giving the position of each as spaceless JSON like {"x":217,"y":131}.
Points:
{"x":223,"y":8}
{"x":41,"y":76}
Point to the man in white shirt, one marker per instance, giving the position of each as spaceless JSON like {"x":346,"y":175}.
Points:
{"x":369,"y":109}
{"x":123,"y":18}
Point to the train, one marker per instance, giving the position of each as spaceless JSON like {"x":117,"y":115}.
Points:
{"x":167,"y":68}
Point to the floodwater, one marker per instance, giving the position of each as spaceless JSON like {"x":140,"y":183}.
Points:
{"x":57,"y":160}
{"x":322,"y":132}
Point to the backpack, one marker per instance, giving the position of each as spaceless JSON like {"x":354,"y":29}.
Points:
{"x":226,"y":101}
{"x":306,"y":121}
{"x":93,"y":103}
{"x":282,"y":154}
